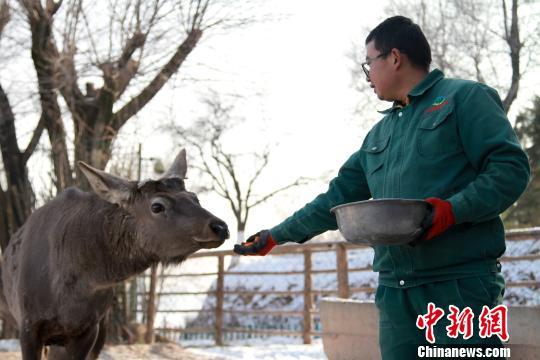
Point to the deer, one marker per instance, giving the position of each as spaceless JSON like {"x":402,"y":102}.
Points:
{"x":60,"y":268}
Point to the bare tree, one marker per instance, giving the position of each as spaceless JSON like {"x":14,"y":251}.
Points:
{"x":17,"y":199}
{"x":93,"y":73}
{"x":96,"y":65}
{"x":488,"y":40}
{"x":234,"y":177}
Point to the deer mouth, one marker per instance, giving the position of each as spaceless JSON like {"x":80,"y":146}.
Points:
{"x":208,"y":244}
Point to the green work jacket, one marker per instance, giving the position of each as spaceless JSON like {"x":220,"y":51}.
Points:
{"x":452,"y":141}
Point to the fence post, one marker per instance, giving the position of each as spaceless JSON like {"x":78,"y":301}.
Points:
{"x":307,"y":297}
{"x":151,"y":306}
{"x":342,"y":271}
{"x":219,"y":300}
{"x":133,"y":300}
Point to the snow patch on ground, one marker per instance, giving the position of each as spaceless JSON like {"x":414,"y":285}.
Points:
{"x":9,"y":345}
{"x":266,"y":350}
{"x":269,"y":349}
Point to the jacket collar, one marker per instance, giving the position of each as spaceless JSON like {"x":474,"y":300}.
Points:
{"x":428,"y":82}
{"x":431,"y":79}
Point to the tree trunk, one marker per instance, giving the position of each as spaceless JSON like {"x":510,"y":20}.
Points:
{"x":514,"y":44}
{"x":93,"y":150}
{"x":18,"y":199}
{"x":4,"y":227}
{"x":116,"y":318}
{"x":45,"y":58}
{"x":235,"y":260}
{"x":9,"y":329}
{"x":240,"y":236}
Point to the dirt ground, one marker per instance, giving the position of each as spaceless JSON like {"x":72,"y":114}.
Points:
{"x":135,"y":352}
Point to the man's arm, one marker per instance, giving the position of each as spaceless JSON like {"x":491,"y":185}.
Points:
{"x":315,"y":217}
{"x":493,"y":149}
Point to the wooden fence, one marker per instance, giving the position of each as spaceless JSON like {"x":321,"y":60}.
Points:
{"x":342,"y":290}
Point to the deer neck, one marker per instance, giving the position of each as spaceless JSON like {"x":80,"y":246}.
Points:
{"x":122,"y":258}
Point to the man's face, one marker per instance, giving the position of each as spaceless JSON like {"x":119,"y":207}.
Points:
{"x":380,"y":72}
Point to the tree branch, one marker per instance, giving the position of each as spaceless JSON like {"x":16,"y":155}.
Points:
{"x":5,"y":15}
{"x":301,"y":181}
{"x":52,"y":7}
{"x":265,"y":158}
{"x":67,"y":75}
{"x":67,"y":83}
{"x":515,"y":45}
{"x":221,"y":185}
{"x":172,"y":66}
{"x":135,"y":42}
{"x":215,"y":157}
{"x":8,"y":135}
{"x":35,"y":139}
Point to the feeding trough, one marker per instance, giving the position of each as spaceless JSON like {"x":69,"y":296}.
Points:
{"x":381,"y":221}
{"x":351,"y":330}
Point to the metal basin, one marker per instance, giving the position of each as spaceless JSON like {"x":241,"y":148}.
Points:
{"x":381,"y":221}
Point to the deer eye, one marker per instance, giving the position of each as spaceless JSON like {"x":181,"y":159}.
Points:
{"x":157,"y":207}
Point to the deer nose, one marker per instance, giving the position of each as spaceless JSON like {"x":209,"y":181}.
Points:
{"x":220,"y":229}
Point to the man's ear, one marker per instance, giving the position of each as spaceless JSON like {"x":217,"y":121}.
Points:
{"x":107,"y":186}
{"x":398,"y":56}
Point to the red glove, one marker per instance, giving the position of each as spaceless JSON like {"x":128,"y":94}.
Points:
{"x":441,"y":218}
{"x":259,"y":244}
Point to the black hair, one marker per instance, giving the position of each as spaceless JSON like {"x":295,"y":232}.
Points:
{"x":399,"y":32}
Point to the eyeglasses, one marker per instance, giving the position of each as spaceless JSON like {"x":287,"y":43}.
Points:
{"x":366,"y":66}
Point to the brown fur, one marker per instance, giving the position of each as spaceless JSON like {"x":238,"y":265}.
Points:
{"x":60,"y":268}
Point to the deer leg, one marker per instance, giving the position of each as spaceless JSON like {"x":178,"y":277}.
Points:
{"x":100,"y":341}
{"x":79,"y":348}
{"x":31,"y":346}
{"x":57,"y":353}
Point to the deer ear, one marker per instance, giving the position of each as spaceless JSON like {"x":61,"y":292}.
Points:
{"x":179,"y":166}
{"x":108,"y":187}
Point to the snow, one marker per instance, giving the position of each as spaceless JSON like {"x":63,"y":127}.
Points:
{"x":264,"y":350}
{"x":525,"y":270}
{"x":269,"y":349}
{"x":9,"y":345}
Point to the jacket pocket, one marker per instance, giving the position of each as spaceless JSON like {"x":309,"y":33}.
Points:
{"x":438,"y":134}
{"x":481,"y":290}
{"x":375,"y":151}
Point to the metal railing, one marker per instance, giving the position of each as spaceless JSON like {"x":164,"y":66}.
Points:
{"x":343,"y":289}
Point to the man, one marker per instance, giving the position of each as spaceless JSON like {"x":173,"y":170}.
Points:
{"x":444,"y":140}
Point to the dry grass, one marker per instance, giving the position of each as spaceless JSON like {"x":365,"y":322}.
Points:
{"x":135,"y":352}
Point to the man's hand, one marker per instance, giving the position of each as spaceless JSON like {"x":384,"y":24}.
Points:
{"x":259,"y":244}
{"x":440,"y":218}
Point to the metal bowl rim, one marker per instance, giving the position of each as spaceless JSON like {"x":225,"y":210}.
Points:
{"x":387,"y":201}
